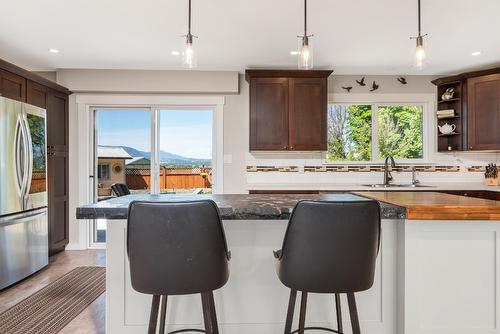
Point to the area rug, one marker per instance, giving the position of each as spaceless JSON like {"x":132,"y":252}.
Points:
{"x":53,"y":307}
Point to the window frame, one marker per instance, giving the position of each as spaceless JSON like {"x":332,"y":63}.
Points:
{"x":99,"y":171}
{"x":86,"y":104}
{"x":426,"y":101}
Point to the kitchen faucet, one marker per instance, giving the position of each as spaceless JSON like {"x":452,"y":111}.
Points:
{"x":414,"y":180}
{"x":387,"y":173}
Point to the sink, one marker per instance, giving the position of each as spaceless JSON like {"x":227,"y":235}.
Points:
{"x":396,"y":185}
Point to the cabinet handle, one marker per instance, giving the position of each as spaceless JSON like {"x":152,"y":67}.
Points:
{"x":291,"y":147}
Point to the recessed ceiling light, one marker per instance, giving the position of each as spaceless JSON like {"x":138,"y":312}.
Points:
{"x":53,"y":51}
{"x":294,"y":53}
{"x":175,"y":53}
{"x":476,"y":53}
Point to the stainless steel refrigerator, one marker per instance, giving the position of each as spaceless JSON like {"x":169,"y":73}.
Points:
{"x":23,"y":191}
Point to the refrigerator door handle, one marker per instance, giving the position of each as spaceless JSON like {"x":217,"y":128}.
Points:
{"x":29,"y":160}
{"x":19,"y":152}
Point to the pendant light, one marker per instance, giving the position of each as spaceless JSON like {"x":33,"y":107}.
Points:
{"x":419,"y":50}
{"x":189,"y":55}
{"x":305,"y":51}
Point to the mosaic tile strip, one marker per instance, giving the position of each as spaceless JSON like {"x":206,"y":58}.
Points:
{"x":480,"y":169}
{"x":289,"y":169}
{"x":359,"y":168}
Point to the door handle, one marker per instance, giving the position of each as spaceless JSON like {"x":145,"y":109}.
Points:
{"x":20,"y":157}
{"x":29,"y":156}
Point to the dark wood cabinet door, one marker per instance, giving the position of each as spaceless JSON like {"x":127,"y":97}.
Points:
{"x":36,"y":94}
{"x":12,"y":86}
{"x":57,"y":121}
{"x":269,"y":114}
{"x":483,"y":112}
{"x":57,"y":142}
{"x":307,"y":114}
{"x":58,"y":201}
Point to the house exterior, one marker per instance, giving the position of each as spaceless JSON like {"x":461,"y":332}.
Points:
{"x":110,"y":167}
{"x":138,"y":163}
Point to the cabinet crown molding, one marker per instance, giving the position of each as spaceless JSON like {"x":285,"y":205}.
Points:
{"x":268,"y":73}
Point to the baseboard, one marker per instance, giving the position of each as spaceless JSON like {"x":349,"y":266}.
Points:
{"x":76,"y":246}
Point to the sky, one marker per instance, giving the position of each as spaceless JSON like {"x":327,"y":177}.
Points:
{"x":184,"y":132}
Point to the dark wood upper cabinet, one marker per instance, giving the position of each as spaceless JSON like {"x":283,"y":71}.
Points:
{"x":12,"y":86}
{"x":269,"y":115}
{"x":483,"y":107}
{"x":36,"y":94}
{"x":307,"y":114}
{"x":57,"y":121}
{"x":288,"y":110}
{"x":477,"y":110}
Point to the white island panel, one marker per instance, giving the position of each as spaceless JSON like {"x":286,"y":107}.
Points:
{"x":254,"y":300}
{"x":451,"y":277}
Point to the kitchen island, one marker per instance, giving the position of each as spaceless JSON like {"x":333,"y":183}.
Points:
{"x":434,"y":276}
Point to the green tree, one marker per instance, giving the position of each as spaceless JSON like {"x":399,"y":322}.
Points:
{"x":349,"y":132}
{"x":400,"y":132}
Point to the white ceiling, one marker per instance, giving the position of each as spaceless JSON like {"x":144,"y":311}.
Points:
{"x":350,"y":36}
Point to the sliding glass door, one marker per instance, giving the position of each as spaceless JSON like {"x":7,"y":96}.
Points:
{"x":151,"y":150}
{"x":122,"y":139}
{"x":185,"y":150}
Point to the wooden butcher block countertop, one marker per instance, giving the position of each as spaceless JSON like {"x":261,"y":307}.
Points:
{"x":438,"y":206}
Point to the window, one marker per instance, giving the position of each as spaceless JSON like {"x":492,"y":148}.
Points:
{"x":349,"y":132}
{"x":371,"y":132}
{"x":103,"y":172}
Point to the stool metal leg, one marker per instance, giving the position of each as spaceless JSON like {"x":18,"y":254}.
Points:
{"x":354,"y":313}
{"x":338,"y":307}
{"x":213,"y":313}
{"x":291,"y":309}
{"x":302,"y":317}
{"x":163,"y":313}
{"x":207,"y":318}
{"x":153,"y":316}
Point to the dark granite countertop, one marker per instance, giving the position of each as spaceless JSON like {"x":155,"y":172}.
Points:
{"x":232,"y":207}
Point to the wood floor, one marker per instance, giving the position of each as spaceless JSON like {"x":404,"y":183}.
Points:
{"x":92,"y":319}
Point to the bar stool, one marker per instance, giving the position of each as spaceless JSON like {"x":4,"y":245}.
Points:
{"x":177,"y":249}
{"x":329,"y":247}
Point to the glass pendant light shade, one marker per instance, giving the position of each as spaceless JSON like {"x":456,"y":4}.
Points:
{"x":419,"y":50}
{"x":305,"y":53}
{"x":189,"y":54}
{"x":420,"y":53}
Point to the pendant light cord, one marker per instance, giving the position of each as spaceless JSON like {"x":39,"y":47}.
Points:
{"x":189,"y":18}
{"x":419,"y":19}
{"x":305,"y":17}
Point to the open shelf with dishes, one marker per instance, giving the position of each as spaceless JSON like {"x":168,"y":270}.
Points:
{"x":450,"y":103}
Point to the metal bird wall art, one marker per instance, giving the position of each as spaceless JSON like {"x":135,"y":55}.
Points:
{"x":374,"y":87}
{"x":402,"y":80}
{"x":361,"y":82}
{"x":348,"y":89}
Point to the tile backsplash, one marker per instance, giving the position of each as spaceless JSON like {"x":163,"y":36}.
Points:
{"x":365,"y":168}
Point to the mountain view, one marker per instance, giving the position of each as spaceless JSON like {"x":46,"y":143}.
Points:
{"x":167,"y":158}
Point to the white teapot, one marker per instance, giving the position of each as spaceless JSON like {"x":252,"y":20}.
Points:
{"x":446,"y":128}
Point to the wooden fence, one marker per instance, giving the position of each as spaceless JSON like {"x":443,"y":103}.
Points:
{"x":170,"y":178}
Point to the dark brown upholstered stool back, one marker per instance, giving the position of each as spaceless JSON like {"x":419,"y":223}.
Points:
{"x":329,"y":247}
{"x":176,"y":249}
